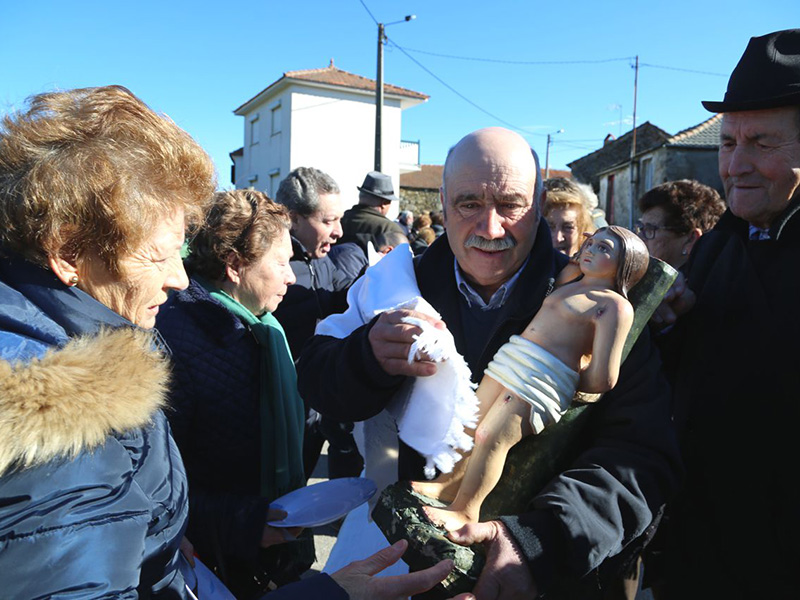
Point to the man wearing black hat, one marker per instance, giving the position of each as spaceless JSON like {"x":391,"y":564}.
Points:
{"x":366,"y":221}
{"x":733,"y":531}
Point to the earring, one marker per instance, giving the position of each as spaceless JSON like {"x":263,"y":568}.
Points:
{"x":684,"y":252}
{"x":73,"y":281}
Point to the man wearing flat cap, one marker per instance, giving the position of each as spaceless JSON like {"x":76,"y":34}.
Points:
{"x":734,"y":530}
{"x":366,"y":222}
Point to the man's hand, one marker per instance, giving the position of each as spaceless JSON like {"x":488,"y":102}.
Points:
{"x":358,"y":580}
{"x":391,"y":341}
{"x":678,"y":300}
{"x":506,"y":575}
{"x":272,"y":536}
{"x":187,"y":549}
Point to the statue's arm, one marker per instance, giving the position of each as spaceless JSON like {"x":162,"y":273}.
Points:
{"x":611,"y":329}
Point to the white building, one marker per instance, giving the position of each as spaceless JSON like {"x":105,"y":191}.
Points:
{"x":323,"y":118}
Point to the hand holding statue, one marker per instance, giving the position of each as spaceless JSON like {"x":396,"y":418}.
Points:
{"x":505,"y":576}
{"x":679,"y":300}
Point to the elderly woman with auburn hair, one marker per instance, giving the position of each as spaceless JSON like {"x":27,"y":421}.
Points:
{"x":238,"y":418}
{"x":96,"y":191}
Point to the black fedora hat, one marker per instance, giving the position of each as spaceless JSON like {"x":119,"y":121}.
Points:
{"x":767,"y":76}
{"x":378,"y":184}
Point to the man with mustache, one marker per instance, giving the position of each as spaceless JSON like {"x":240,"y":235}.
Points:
{"x":487,"y":276}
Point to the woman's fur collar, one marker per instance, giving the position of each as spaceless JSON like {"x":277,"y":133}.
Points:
{"x":72,"y":398}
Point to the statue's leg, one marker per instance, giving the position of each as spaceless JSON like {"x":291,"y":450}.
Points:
{"x":445,"y":486}
{"x":504,"y":425}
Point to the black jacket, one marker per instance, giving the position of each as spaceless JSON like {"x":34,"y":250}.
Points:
{"x":363,"y":224}
{"x":320,"y":290}
{"x":733,"y":531}
{"x":627,"y":467}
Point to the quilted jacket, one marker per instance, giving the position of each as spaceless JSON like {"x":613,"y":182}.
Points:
{"x":93,"y":498}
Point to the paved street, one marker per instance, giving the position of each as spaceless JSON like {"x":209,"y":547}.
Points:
{"x":324,"y":537}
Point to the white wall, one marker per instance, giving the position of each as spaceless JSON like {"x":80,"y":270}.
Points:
{"x":330,"y":130}
{"x":267,"y":133}
{"x":335,"y":132}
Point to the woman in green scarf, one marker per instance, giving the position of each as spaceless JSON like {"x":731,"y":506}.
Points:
{"x":237,"y":418}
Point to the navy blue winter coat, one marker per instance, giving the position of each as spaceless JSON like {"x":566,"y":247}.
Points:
{"x":215,"y":417}
{"x":93,"y":498}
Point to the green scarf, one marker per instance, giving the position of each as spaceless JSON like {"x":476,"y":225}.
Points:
{"x":280,"y":407}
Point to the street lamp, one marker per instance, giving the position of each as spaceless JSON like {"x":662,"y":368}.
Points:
{"x":379,"y":89}
{"x":547,"y":154}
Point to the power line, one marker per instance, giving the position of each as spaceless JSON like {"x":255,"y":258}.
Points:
{"x":521,"y":62}
{"x":560,"y":62}
{"x":369,"y":12}
{"x":682,"y":70}
{"x":459,"y":94}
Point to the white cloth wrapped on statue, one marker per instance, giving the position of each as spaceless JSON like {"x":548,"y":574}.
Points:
{"x":535,"y":376}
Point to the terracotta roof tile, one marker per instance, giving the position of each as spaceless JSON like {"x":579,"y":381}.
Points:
{"x":332,"y":75}
{"x":559,"y":173}
{"x":429,"y":177}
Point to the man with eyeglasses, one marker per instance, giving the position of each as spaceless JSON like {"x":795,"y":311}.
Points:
{"x":674,"y":216}
{"x":733,"y":530}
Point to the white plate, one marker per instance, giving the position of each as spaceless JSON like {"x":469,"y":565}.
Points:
{"x":324,"y":502}
{"x":202,"y":580}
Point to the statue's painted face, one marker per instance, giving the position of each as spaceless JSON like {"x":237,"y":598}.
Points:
{"x":600,"y":255}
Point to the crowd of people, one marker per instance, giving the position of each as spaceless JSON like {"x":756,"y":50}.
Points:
{"x":152,"y":407}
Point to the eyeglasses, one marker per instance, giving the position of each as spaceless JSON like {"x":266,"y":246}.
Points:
{"x":648,"y":230}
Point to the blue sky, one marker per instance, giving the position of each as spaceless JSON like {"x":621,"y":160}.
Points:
{"x":197,"y":61}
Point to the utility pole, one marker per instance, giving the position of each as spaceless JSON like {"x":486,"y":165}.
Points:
{"x":379,"y":92}
{"x":547,"y":154}
{"x":634,"y":166}
{"x":379,"y":101}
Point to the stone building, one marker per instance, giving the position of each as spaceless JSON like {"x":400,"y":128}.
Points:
{"x":620,"y":180}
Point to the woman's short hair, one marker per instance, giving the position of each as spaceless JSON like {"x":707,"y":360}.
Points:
{"x":242,"y":222}
{"x":564,"y":193}
{"x":633,"y":258}
{"x":687,"y":205}
{"x":421,"y":221}
{"x":427,"y":234}
{"x":92,"y":171}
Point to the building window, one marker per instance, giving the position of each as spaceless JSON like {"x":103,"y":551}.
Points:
{"x":274,"y":182}
{"x":646,"y":175}
{"x":275,"y":119}
{"x":254,"y":128}
{"x":610,"y":199}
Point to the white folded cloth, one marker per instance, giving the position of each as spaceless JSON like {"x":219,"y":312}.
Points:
{"x":428,"y":413}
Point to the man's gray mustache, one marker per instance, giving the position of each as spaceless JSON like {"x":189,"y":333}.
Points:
{"x":476,"y":241}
